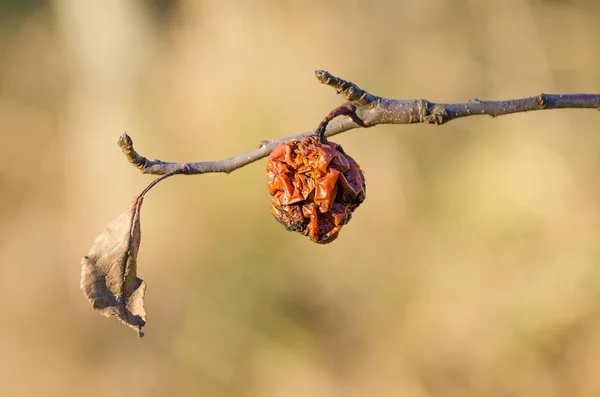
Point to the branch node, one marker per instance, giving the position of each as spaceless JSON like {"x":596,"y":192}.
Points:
{"x":432,"y":113}
{"x":541,"y":101}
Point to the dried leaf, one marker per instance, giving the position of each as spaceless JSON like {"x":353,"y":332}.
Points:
{"x":108,"y":272}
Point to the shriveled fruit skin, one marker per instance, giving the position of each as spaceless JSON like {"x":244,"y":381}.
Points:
{"x":315,"y":187}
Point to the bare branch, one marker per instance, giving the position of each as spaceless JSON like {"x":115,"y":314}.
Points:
{"x":367,"y":110}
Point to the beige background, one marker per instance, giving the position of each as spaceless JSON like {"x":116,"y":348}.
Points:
{"x":473,"y":267}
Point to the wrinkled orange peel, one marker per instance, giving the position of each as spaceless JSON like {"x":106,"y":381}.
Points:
{"x":315,"y":187}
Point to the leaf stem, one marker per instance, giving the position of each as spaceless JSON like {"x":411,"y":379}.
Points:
{"x":160,"y":178}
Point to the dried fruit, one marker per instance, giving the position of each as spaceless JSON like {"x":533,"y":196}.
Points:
{"x":315,"y":187}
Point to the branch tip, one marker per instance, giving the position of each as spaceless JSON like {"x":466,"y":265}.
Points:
{"x":126,"y":144}
{"x":322,"y":76}
{"x":350,"y":91}
{"x":124,"y":141}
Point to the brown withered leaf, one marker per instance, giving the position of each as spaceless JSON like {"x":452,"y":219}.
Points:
{"x":108,"y":272}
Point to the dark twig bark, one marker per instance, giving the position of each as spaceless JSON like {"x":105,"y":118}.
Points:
{"x":367,"y":110}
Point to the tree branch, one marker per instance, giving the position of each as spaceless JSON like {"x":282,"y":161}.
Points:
{"x":366,"y":110}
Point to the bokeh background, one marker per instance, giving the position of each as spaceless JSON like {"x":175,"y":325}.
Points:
{"x":473,"y":267}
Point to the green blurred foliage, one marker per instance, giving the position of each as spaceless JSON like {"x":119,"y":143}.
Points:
{"x":8,"y":8}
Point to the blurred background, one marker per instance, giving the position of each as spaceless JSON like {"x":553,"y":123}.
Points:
{"x":473,"y":267}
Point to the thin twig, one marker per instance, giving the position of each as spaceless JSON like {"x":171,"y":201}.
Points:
{"x":369,"y":110}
